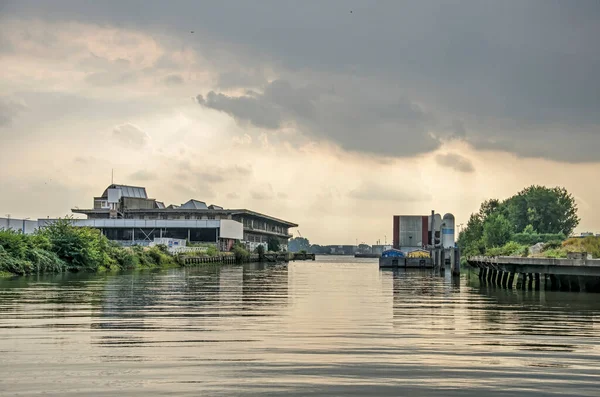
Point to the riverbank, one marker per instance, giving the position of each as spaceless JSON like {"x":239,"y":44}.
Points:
{"x":60,"y":247}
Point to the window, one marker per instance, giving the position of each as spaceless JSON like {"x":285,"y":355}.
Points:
{"x":187,"y":216}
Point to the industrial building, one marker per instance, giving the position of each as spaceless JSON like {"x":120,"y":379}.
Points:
{"x":126,"y":214}
{"x":412,"y":232}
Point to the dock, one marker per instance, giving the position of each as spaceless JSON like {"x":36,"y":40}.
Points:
{"x":572,"y":274}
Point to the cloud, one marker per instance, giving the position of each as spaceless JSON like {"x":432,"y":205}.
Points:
{"x":173,"y":80}
{"x":456,"y":162}
{"x":261,"y":195}
{"x":131,"y":135}
{"x":390,"y":126}
{"x":241,"y":79}
{"x":102,"y":79}
{"x":143,"y":176}
{"x":210,"y":177}
{"x":211,"y":174}
{"x":526,"y":77}
{"x":245,"y":109}
{"x":9,"y":110}
{"x":374,"y":191}
{"x":264,"y":192}
{"x":233,"y":196}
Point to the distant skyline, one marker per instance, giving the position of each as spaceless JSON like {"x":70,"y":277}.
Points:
{"x":305,"y":111}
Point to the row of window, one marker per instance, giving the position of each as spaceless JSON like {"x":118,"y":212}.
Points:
{"x":262,"y":225}
{"x":176,"y":217}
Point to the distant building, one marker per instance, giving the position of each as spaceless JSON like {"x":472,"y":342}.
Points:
{"x":19,"y":225}
{"x":126,"y":214}
{"x":412,"y":232}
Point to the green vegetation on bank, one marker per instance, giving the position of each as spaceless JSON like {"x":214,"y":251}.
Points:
{"x":535,"y":215}
{"x":61,"y":247}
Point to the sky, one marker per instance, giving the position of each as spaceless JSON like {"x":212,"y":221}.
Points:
{"x":334,"y":115}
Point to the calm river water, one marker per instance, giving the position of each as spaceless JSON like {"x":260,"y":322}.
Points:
{"x":336,"y":326}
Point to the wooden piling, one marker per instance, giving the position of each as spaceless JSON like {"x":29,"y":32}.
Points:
{"x":504,"y":279}
{"x":511,"y":280}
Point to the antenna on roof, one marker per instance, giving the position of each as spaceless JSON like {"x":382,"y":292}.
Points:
{"x":112,"y":176}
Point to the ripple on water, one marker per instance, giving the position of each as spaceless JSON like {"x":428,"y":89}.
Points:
{"x":336,"y":326}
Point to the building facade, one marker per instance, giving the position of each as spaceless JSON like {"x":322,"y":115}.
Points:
{"x":126,"y":214}
{"x":413,"y":232}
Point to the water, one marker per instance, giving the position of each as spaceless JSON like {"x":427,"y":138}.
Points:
{"x":336,"y":326}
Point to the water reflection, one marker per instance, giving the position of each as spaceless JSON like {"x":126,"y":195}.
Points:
{"x":336,"y":326}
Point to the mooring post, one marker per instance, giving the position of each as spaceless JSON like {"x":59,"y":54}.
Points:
{"x":511,"y":280}
{"x":505,"y":280}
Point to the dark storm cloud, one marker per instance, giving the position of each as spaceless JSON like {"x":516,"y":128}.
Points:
{"x":456,"y":162}
{"x":374,"y":124}
{"x":521,"y":76}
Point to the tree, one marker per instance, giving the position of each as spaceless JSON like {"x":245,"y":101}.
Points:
{"x":260,"y":250}
{"x":298,"y":244}
{"x":273,"y":244}
{"x":488,"y":207}
{"x":497,"y":231}
{"x":470,"y":238}
{"x":547,"y":210}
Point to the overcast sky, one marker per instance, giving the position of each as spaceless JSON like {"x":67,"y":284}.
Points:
{"x":335,"y":115}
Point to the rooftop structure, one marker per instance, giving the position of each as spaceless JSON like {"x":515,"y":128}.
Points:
{"x":125,"y":213}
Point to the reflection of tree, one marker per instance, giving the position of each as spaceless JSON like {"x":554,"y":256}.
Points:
{"x":196,"y":299}
{"x":540,"y":313}
{"x":61,"y":292}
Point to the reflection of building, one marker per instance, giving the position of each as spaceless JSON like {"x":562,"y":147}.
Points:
{"x":418,"y":231}
{"x":126,"y":214}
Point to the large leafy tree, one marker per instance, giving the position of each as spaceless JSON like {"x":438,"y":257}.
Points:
{"x":298,"y":244}
{"x":536,"y":208}
{"x":496,"y":231}
{"x":547,"y":210}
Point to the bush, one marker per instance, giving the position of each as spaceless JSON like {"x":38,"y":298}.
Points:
{"x":534,"y":238}
{"x":511,"y":248}
{"x":240,"y":253}
{"x":273,"y":244}
{"x":552,"y":244}
{"x":555,"y":253}
{"x":60,"y":246}
{"x":212,"y":251}
{"x":590,"y":244}
{"x":14,"y":265}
